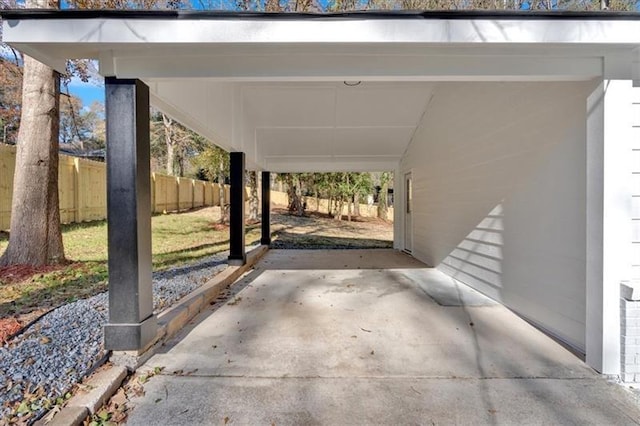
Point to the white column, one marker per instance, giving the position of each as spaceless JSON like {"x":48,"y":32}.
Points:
{"x":609,"y":141}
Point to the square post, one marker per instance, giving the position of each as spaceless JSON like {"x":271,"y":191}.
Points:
{"x":609,"y":233}
{"x":132,"y":324}
{"x":237,"y":255}
{"x":266,"y":209}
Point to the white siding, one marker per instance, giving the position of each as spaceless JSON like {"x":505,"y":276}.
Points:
{"x":635,"y":200}
{"x":499,"y":195}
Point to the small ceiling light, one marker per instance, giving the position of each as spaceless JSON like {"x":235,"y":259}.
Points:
{"x":352,"y":83}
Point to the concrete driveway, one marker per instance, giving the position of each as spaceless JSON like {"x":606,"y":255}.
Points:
{"x":368,"y":337}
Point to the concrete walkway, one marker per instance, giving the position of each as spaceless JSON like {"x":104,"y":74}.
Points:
{"x":368,"y":337}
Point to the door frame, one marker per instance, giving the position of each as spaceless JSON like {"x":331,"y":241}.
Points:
{"x":407,"y":208}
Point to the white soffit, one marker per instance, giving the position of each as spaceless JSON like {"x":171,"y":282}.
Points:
{"x":334,"y":121}
{"x":298,"y":125}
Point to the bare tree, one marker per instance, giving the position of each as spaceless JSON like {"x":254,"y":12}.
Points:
{"x":167,"y":124}
{"x":35,"y":236}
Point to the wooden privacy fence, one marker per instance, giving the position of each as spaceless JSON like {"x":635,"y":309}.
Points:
{"x":82,"y":187}
{"x":322,"y":205}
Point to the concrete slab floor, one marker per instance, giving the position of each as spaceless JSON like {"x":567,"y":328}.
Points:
{"x":368,"y":337}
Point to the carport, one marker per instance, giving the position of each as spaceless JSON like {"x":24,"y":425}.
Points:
{"x":513,"y":138}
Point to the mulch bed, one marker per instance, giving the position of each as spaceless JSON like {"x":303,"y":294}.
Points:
{"x":13,"y":274}
{"x":9,"y":327}
{"x":17,"y":273}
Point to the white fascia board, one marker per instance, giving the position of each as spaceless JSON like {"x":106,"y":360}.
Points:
{"x":160,"y":37}
{"x":171,"y":31}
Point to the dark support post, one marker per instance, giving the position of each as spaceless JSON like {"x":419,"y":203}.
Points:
{"x":132,"y":325}
{"x":237,"y":255}
{"x":266,"y":209}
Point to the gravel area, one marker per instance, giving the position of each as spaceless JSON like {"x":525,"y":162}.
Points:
{"x":59,"y":349}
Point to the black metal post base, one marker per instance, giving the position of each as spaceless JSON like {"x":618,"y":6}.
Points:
{"x":130,"y":337}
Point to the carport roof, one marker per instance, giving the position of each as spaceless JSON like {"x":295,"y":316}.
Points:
{"x":324,"y":92}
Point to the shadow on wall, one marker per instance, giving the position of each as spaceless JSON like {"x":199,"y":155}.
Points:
{"x":529,"y":270}
{"x":477,"y":260}
{"x":500,"y":201}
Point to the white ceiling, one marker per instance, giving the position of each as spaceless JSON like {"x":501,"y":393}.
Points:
{"x":331,"y":120}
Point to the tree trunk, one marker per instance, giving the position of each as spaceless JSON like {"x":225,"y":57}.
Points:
{"x":356,"y":204}
{"x":294,"y":196}
{"x":180,"y":163}
{"x":301,"y":202}
{"x":339,"y":205}
{"x":382,"y":201}
{"x":253,"y":196}
{"x":223,"y":197}
{"x":168,"y":140}
{"x":35,"y":237}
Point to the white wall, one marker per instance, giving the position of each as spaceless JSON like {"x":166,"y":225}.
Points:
{"x":500,"y":193}
{"x":635,"y":183}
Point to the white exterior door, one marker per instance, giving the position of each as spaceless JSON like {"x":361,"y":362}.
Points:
{"x":408,"y":206}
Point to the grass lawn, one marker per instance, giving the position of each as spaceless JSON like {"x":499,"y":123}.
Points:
{"x":178,"y":239}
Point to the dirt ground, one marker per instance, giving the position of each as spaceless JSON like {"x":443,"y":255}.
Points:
{"x":319,"y":231}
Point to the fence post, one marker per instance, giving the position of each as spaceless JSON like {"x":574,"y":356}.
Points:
{"x":177,"y":183}
{"x":193,"y":193}
{"x":77,"y":193}
{"x":153,"y":193}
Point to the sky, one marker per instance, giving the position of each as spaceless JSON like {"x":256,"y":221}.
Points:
{"x":87,"y":92}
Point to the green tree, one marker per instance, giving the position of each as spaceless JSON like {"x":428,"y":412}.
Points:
{"x":213,"y":163}
{"x":252,"y":181}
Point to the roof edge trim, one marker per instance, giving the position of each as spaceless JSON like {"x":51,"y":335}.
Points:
{"x":36,"y":14}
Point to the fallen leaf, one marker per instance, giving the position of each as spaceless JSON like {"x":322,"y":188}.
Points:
{"x":120,"y":398}
{"x":49,"y":417}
